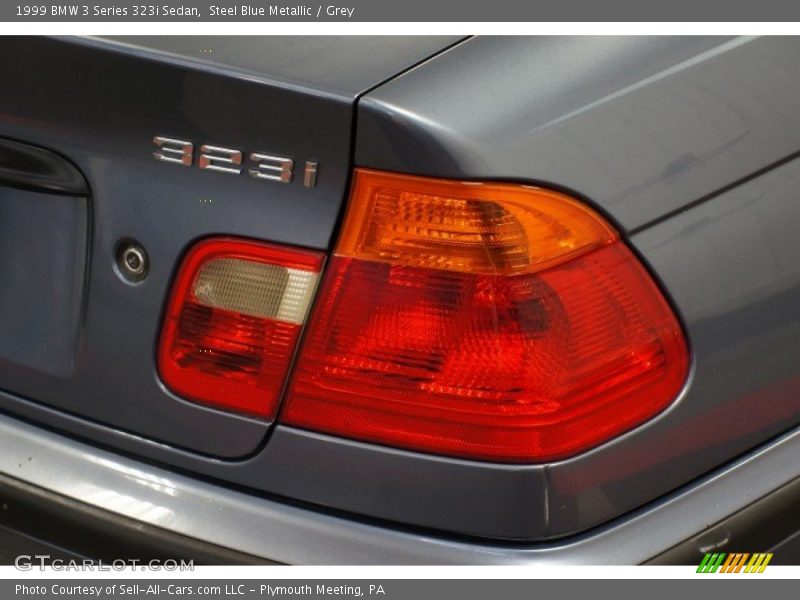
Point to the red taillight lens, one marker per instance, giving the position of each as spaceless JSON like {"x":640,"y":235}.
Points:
{"x":233,"y":321}
{"x":487,"y":321}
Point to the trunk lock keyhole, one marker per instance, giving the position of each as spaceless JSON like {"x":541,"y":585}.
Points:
{"x":132,"y":262}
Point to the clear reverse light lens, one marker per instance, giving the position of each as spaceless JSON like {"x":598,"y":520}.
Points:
{"x":233,"y":322}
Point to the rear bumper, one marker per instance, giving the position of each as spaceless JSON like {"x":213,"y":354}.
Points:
{"x":137,"y":503}
{"x":770,"y":524}
{"x":38,"y":525}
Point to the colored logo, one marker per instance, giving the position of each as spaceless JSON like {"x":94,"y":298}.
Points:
{"x":734,"y":562}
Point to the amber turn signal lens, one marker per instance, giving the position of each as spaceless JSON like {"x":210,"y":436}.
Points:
{"x":488,"y":321}
{"x":486,"y":228}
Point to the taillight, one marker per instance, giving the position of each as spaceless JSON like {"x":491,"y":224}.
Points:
{"x":233,"y":320}
{"x":489,"y":321}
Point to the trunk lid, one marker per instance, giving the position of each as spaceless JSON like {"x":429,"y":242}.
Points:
{"x":80,"y":340}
